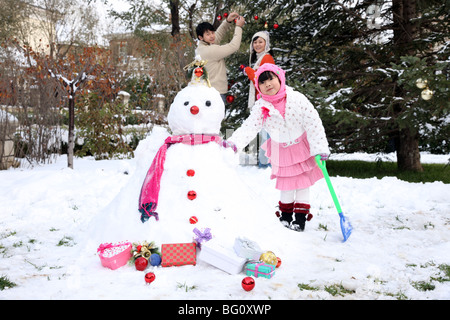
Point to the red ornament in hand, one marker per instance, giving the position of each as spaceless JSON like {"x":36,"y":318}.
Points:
{"x":230,"y":98}
{"x":141,"y":263}
{"x":248,"y":283}
{"x":150,"y":277}
{"x":198,"y":72}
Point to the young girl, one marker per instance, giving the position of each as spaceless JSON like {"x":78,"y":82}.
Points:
{"x":296,"y":137}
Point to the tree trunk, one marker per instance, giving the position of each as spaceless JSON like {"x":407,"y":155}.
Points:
{"x":408,"y":155}
{"x":405,"y":31}
{"x":71,"y":143}
{"x":175,"y":17}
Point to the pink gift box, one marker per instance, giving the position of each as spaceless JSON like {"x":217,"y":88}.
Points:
{"x":114,"y":255}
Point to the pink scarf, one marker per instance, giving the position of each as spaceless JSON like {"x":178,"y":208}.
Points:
{"x":148,"y":199}
{"x":279,"y":99}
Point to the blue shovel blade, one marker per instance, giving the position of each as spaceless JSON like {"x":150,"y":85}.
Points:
{"x":346,"y":227}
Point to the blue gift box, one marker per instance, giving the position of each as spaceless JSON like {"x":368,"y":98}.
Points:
{"x":260,"y":269}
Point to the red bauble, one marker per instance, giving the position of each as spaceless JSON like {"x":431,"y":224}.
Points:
{"x":141,"y":263}
{"x":190,"y":173}
{"x":225,"y":14}
{"x":275,"y":26}
{"x":150,"y":277}
{"x":256,"y":17}
{"x":230,"y":98}
{"x":248,"y":283}
{"x":279,"y":262}
{"x":192,"y":195}
{"x":194,"y":110}
{"x":193,"y":220}
{"x":198,"y":72}
{"x":219,"y":17}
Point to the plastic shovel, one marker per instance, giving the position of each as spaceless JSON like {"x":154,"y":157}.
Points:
{"x":346,"y":227}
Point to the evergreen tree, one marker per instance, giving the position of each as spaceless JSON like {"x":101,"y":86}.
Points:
{"x":359,"y":62}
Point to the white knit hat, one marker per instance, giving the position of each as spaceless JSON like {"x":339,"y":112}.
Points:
{"x":262,"y":34}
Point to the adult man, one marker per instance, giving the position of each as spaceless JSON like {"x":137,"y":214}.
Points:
{"x":209,"y":49}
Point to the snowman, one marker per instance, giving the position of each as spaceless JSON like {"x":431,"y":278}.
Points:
{"x":187,"y":179}
{"x":192,"y":180}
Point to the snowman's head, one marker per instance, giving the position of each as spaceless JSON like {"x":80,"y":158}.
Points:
{"x":196,"y":109}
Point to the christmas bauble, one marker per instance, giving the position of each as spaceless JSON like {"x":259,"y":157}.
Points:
{"x":256,"y":17}
{"x":219,"y":17}
{"x":155,"y":259}
{"x":275,"y":26}
{"x":190,"y":173}
{"x":421,"y":84}
{"x":427,"y":94}
{"x":150,"y":277}
{"x":269,"y":257}
{"x":248,"y":283}
{"x":230,"y":98}
{"x":192,"y":195}
{"x":193,"y":220}
{"x":194,"y":110}
{"x":225,"y":14}
{"x":198,"y":72}
{"x":141,"y":263}
{"x":278,"y":262}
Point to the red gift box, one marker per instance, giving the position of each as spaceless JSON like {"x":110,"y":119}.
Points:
{"x":178,"y":254}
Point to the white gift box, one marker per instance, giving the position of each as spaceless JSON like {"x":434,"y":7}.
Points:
{"x":219,"y":256}
{"x":247,"y":249}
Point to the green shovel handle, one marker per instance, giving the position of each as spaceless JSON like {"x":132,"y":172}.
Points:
{"x":323,"y":167}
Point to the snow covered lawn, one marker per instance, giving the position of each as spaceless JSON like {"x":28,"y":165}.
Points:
{"x":399,"y":246}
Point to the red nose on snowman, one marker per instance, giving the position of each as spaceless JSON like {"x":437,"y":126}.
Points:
{"x":194,"y":110}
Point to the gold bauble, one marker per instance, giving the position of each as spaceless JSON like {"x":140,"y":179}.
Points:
{"x":421,"y":84}
{"x":269,"y":257}
{"x":427,"y":94}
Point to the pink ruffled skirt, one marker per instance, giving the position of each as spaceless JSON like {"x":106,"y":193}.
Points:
{"x":292,"y":165}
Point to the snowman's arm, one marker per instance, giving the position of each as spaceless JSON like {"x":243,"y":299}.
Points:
{"x":248,"y":130}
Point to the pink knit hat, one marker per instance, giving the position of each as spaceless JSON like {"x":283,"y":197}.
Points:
{"x":280,"y":73}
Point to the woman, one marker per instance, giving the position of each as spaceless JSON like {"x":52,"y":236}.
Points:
{"x":260,"y":53}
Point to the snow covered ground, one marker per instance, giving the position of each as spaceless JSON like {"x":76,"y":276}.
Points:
{"x":49,"y":217}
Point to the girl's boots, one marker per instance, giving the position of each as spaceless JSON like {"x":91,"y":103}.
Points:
{"x":285,"y":216}
{"x":302,"y":214}
{"x":299,"y":210}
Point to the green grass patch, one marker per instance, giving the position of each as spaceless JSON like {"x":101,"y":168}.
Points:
{"x":5,"y":283}
{"x":364,"y":169}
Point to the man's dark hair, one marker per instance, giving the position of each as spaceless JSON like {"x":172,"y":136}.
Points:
{"x":203,"y":27}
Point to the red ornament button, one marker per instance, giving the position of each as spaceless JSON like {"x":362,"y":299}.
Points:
{"x":190,"y":173}
{"x":193,"y":220}
{"x":192,"y":195}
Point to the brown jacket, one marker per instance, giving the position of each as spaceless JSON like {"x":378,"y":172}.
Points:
{"x":214,"y":54}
